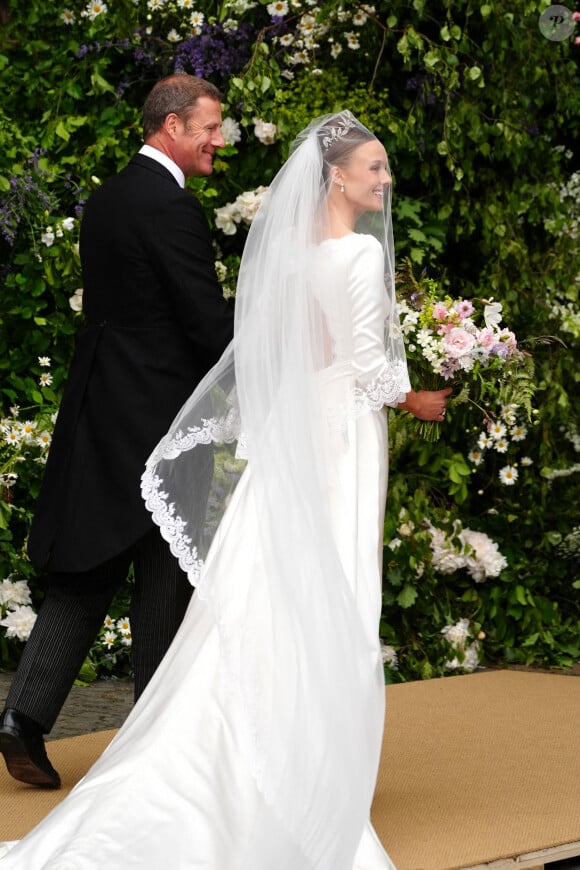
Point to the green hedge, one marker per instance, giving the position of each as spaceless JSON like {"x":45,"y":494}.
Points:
{"x":480,"y":114}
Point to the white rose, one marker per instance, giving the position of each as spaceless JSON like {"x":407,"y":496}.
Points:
{"x":18,"y":622}
{"x":265,"y":131}
{"x":76,"y":300}
{"x":231,"y":131}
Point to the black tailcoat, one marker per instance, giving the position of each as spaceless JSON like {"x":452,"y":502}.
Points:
{"x":156,"y":321}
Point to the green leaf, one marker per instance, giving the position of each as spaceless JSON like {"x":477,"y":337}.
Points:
{"x":407,"y":596}
{"x":62,"y":131}
{"x":101,"y":85}
{"x":521,"y":595}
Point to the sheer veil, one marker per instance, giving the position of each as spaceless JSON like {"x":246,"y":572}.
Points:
{"x":255,"y":433}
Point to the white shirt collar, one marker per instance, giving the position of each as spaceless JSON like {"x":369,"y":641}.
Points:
{"x":166,"y":161}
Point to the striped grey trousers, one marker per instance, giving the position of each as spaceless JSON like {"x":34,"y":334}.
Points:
{"x":73,"y":611}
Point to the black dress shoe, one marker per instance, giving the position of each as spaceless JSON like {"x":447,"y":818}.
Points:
{"x":22,"y":744}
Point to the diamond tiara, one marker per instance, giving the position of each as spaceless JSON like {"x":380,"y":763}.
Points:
{"x":339,"y":132}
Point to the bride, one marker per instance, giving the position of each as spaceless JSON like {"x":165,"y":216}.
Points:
{"x":256,"y":744}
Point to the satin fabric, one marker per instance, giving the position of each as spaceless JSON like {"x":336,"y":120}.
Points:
{"x":177,"y":787}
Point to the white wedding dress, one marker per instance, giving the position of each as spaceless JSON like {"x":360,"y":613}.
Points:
{"x":176,"y":789}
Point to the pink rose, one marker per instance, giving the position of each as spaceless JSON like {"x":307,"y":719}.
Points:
{"x":486,"y":337}
{"x":576,"y":16}
{"x":509,"y":339}
{"x":458,"y":342}
{"x":439,"y":311}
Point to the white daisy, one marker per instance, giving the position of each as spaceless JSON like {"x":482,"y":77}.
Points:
{"x":43,"y":440}
{"x":278,"y":9}
{"x":94,"y":9}
{"x":484,"y":441}
{"x":519,"y":433}
{"x":508,"y":475}
{"x":498,"y":430}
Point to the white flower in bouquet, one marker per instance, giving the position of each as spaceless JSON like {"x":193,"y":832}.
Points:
{"x":19,"y":622}
{"x":492,"y":315}
{"x":460,"y":342}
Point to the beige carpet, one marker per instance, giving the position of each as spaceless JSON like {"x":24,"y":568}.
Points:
{"x":474,"y":769}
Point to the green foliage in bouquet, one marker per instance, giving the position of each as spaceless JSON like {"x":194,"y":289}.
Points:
{"x":459,"y":343}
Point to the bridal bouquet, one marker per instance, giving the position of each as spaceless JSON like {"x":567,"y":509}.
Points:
{"x":461,"y":343}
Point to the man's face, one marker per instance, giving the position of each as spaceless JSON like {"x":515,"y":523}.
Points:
{"x":197,"y":138}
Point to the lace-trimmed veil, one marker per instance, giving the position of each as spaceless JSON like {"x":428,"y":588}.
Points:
{"x":319,"y":722}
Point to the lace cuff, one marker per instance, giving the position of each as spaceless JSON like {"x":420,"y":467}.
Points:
{"x":389,"y":388}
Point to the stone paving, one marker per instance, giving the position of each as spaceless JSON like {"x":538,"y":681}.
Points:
{"x":100,"y":706}
{"x":105,"y":704}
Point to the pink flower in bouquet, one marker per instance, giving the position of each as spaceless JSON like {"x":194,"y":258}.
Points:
{"x":439,"y":311}
{"x":459,"y":342}
{"x":464,"y":308}
{"x":486,"y":338}
{"x":509,"y":339}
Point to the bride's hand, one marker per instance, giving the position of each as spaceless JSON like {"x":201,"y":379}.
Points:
{"x":426,"y":404}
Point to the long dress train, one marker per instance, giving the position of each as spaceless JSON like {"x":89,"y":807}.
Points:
{"x":177,"y":788}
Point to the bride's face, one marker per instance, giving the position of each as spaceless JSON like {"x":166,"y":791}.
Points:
{"x":365,"y":177}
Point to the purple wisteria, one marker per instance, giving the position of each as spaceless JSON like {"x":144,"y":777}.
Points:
{"x":216,"y":53}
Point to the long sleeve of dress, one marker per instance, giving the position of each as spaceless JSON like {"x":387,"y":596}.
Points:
{"x":357,"y":312}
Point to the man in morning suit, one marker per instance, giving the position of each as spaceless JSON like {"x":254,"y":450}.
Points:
{"x":156,"y":321}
